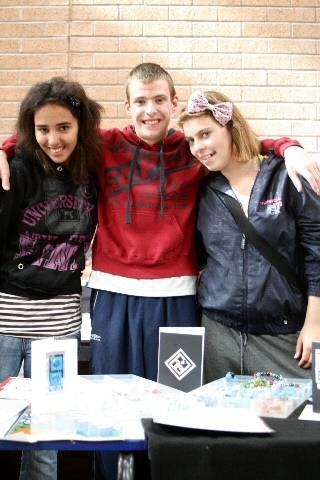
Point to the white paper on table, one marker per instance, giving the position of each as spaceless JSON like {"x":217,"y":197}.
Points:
{"x":134,"y":430}
{"x":217,"y":419}
{"x":308,"y":414}
{"x":9,"y":411}
{"x":5,"y":426}
{"x":16,"y":388}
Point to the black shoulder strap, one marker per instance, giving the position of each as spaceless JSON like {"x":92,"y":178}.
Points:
{"x":274,"y":257}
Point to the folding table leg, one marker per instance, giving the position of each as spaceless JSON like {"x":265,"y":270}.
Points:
{"x":125,"y":466}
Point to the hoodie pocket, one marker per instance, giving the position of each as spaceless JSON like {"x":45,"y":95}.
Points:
{"x":148,"y":239}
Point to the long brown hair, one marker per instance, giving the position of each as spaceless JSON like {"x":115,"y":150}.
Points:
{"x":71,"y":95}
{"x":245,"y":142}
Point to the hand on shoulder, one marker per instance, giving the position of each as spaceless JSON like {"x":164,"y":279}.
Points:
{"x":4,"y":171}
{"x":298,"y":163}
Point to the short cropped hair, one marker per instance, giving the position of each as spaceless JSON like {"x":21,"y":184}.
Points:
{"x":245,"y":141}
{"x":150,"y":72}
{"x":71,"y":95}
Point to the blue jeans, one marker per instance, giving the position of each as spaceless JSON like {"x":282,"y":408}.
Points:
{"x":15,"y":352}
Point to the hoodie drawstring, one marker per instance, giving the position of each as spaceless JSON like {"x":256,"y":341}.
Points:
{"x":130,"y":178}
{"x":162,"y":181}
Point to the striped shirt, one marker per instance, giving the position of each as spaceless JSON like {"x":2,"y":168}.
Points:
{"x":27,"y":318}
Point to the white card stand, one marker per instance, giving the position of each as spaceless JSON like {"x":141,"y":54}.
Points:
{"x":54,"y":367}
{"x":316,"y":376}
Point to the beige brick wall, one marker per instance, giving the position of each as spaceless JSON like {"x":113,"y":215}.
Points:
{"x":264,"y":53}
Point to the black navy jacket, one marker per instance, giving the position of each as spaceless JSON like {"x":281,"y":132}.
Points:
{"x":238,"y":286}
{"x":46,"y":226}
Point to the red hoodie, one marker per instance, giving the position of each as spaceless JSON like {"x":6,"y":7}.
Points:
{"x":147,"y":205}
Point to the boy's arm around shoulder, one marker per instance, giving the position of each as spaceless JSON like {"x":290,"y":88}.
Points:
{"x":279,"y":145}
{"x":297,"y":162}
{"x":6,"y":153}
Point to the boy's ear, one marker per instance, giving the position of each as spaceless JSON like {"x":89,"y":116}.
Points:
{"x":127,"y":107}
{"x":175,"y":102}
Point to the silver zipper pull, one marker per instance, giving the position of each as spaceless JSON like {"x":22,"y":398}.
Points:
{"x":243,"y":242}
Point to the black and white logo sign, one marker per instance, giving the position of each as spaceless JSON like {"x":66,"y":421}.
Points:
{"x":180,"y":364}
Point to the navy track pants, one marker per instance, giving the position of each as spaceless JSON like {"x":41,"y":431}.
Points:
{"x":125,"y":330}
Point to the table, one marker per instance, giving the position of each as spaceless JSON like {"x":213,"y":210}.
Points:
{"x":292,"y":452}
{"x":119,"y":446}
{"x":125,"y":448}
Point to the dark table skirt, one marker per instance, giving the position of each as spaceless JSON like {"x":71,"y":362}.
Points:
{"x":292,"y":452}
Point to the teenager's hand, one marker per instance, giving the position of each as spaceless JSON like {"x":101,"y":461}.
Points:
{"x":303,"y":353}
{"x":309,"y":333}
{"x":4,"y":171}
{"x":298,"y":164}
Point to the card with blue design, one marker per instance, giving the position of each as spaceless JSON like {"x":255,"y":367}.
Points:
{"x":54,"y":367}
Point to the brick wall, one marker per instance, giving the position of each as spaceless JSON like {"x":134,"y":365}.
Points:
{"x":265,"y":54}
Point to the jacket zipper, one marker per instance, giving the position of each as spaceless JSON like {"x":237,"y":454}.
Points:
{"x":243,"y":242}
{"x":243,"y":247}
